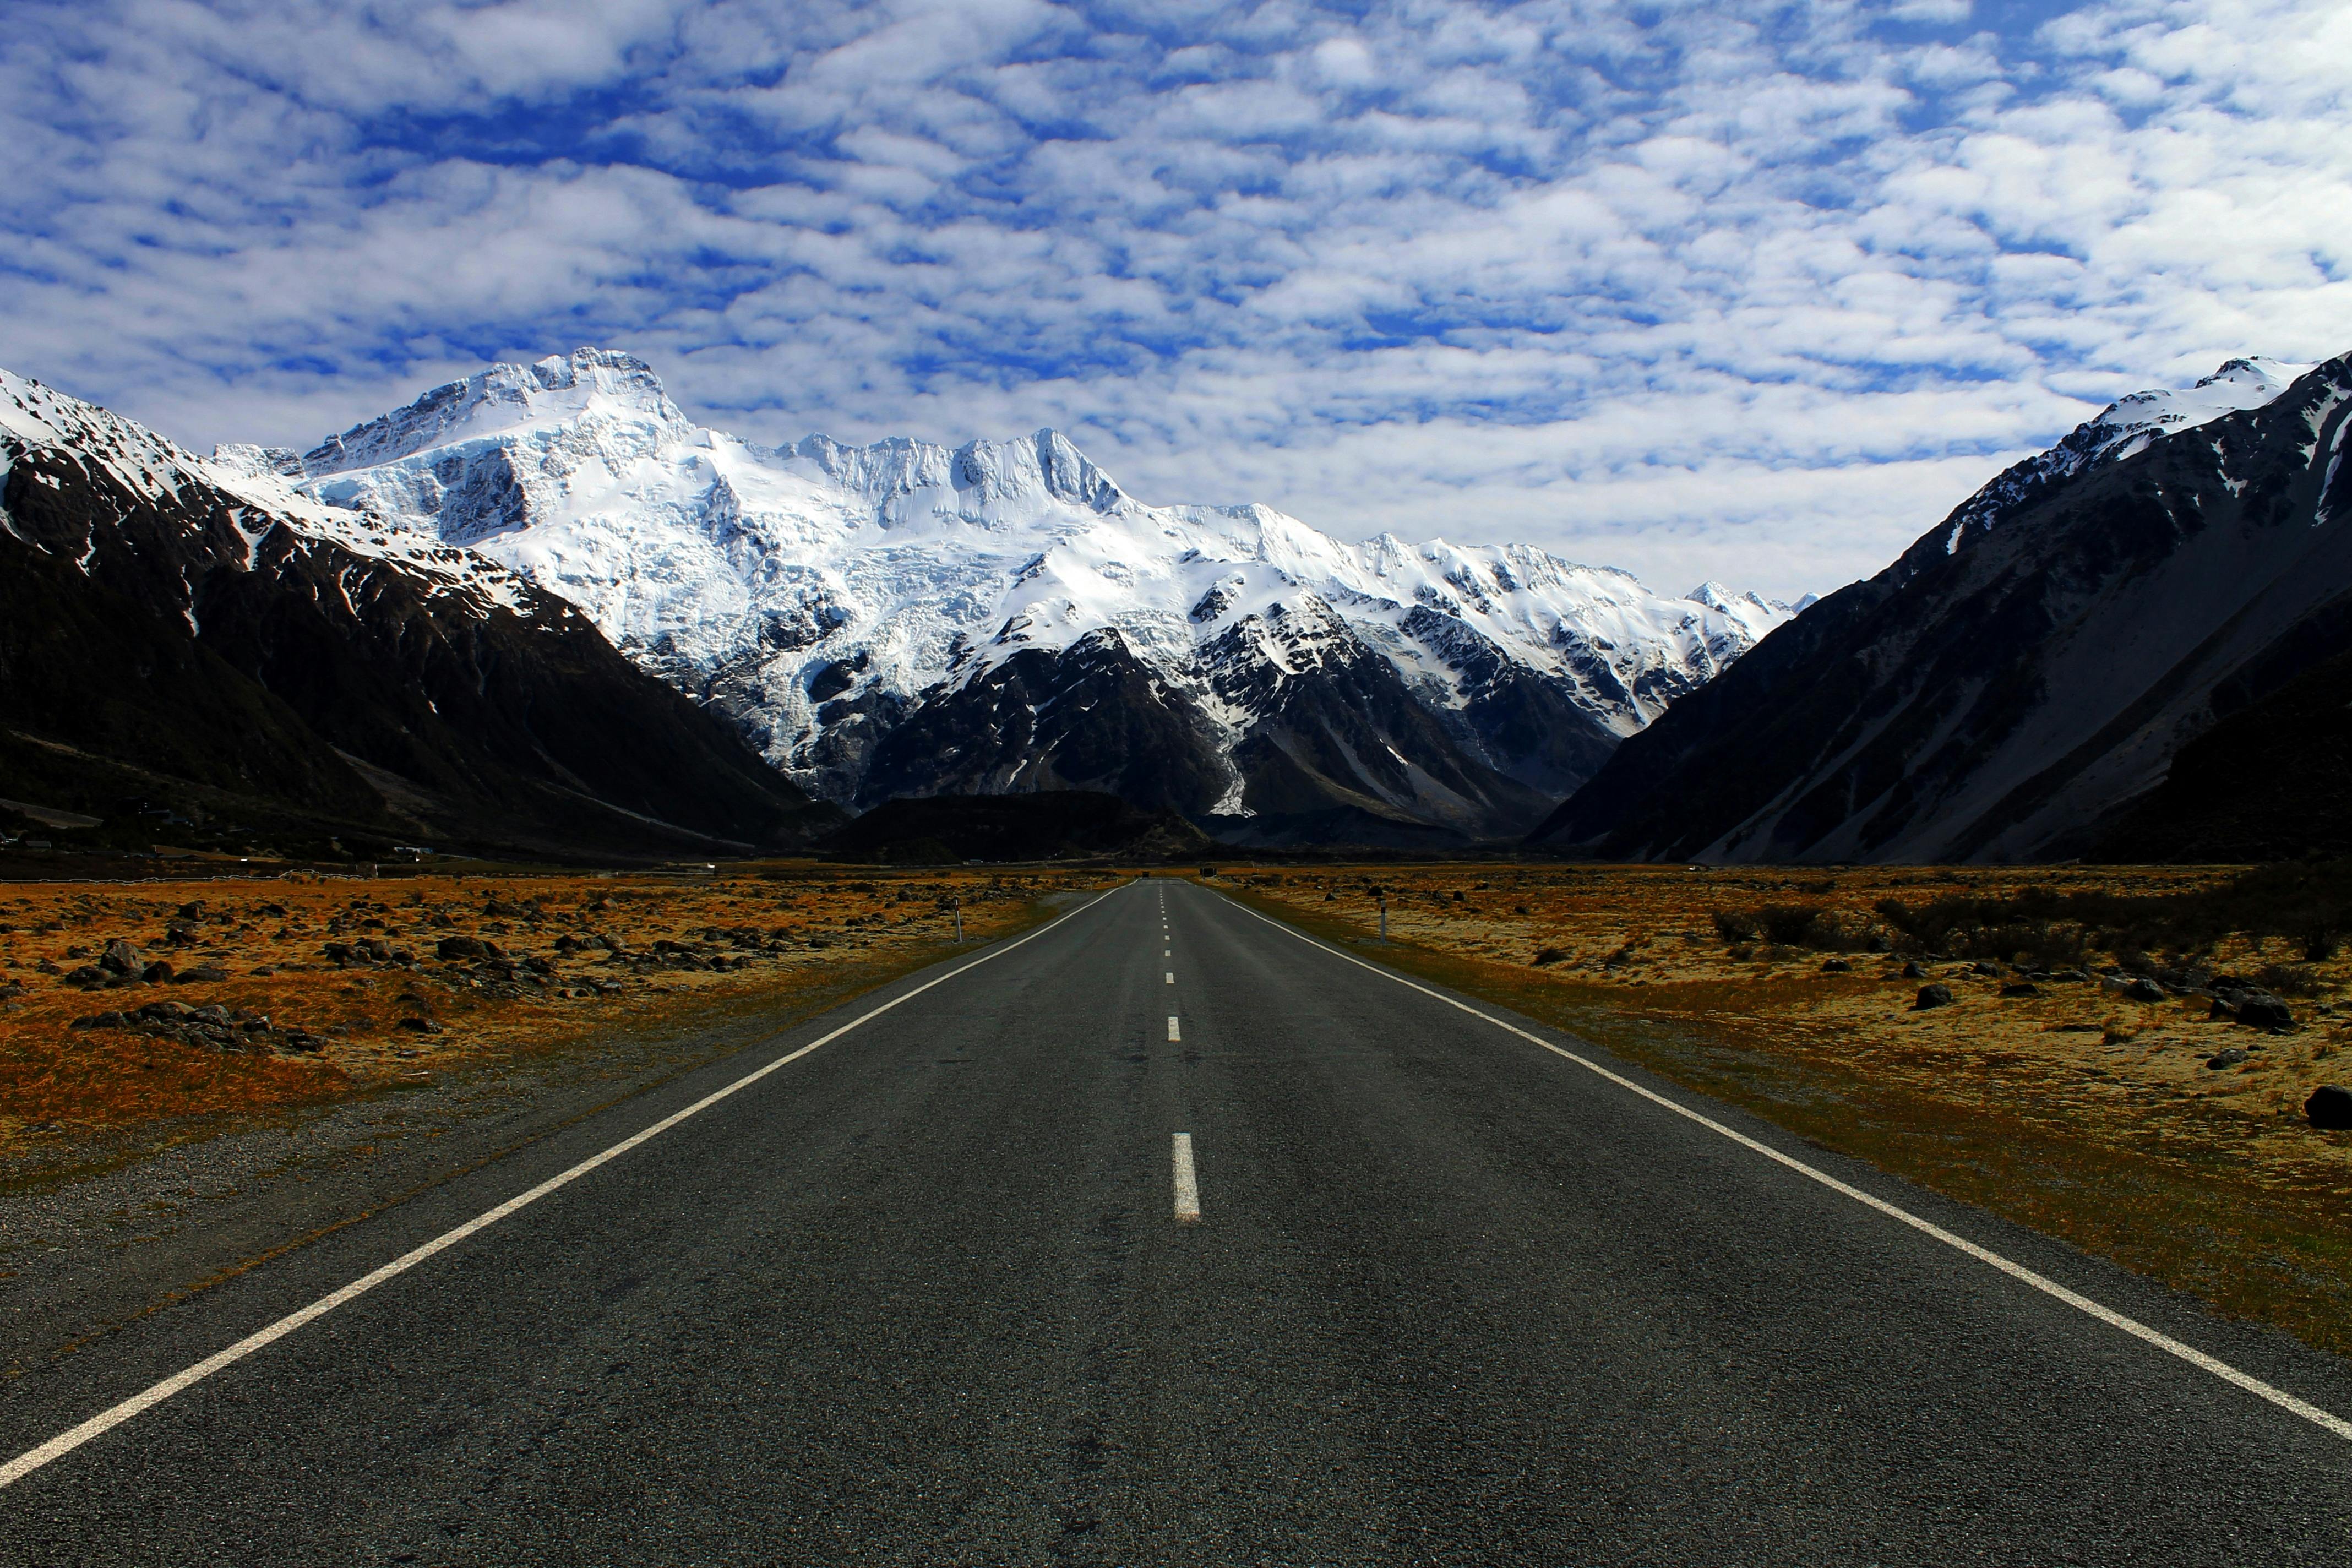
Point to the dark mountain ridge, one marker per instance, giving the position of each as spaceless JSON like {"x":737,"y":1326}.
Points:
{"x":2026,"y":671}
{"x":164,"y":637}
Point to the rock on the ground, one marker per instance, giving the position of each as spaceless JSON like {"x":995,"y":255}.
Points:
{"x":1932,"y":996}
{"x":2262,"y":1011}
{"x":2329,"y":1107}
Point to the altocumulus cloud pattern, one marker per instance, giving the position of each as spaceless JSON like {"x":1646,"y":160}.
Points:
{"x":1704,"y":288}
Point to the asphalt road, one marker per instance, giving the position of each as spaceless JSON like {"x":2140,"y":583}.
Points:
{"x":921,"y":1296}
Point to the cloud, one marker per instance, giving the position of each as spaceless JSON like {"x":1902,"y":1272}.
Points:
{"x":1728,"y":290}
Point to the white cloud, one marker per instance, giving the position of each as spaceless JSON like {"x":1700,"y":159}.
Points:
{"x":1743,"y":292}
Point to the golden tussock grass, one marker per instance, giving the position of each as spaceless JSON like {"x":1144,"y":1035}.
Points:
{"x":787,"y":935}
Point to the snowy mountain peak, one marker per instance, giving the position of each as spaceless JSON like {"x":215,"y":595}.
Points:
{"x":2125,"y":427}
{"x":826,"y":595}
{"x":604,"y":385}
{"x":2128,"y":423}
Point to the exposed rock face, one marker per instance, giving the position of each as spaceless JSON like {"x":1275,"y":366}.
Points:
{"x":189,"y":625}
{"x":2023,"y":672}
{"x":886,"y":619}
{"x":2272,"y":781}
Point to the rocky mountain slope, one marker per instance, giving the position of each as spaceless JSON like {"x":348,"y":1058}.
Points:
{"x":903,"y":619}
{"x":189,"y":640}
{"x":2271,"y":782}
{"x":2015,"y":684}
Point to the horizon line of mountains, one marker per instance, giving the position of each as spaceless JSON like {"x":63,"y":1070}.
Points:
{"x":540,"y":611}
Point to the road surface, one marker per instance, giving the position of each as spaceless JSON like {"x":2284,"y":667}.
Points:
{"x":930,"y":1294}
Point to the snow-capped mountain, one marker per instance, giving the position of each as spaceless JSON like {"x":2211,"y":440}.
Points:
{"x":910,"y":618}
{"x":2123,"y":429}
{"x":2020,"y":684}
{"x":197,"y":632}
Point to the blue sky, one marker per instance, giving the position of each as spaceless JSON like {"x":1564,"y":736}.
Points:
{"x":1754,"y":292}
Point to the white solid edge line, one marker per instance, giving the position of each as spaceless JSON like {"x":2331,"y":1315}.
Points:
{"x":147,"y":1399}
{"x":1188,"y":1186}
{"x":2047,"y":1286}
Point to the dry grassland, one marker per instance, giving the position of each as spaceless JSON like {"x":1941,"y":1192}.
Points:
{"x":313,"y":988}
{"x":2075,"y":1110}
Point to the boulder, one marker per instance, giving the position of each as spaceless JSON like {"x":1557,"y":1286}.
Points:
{"x":1932,"y":996}
{"x":466,"y":947}
{"x":87,"y":975}
{"x":2329,"y":1107}
{"x":2260,"y":1010}
{"x":1915,"y":970}
{"x":2022,"y":988}
{"x":1837,"y":966}
{"x":2144,"y":990}
{"x":203,"y":973}
{"x":120,"y":958}
{"x":2228,"y":1058}
{"x":157,"y":973}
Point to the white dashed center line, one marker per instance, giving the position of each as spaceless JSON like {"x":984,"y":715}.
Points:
{"x":1172,"y":977}
{"x":1171,"y":1028}
{"x":1188,"y":1187}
